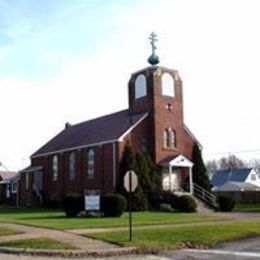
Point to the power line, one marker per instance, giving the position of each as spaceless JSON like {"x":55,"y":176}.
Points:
{"x":234,"y":152}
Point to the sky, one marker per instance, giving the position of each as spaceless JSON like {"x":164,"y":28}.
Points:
{"x":70,"y":61}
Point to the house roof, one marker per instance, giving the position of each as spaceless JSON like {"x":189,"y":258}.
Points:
{"x":222,"y":176}
{"x":179,"y":160}
{"x":7,"y":177}
{"x":105,"y":129}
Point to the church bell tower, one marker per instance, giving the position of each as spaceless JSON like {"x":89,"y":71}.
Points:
{"x":157,"y":91}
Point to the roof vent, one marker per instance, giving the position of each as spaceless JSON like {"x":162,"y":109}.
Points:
{"x":67,"y":125}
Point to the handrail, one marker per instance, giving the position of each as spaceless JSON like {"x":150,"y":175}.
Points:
{"x":204,"y":195}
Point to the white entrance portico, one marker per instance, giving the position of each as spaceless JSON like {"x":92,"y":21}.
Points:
{"x":172,"y":173}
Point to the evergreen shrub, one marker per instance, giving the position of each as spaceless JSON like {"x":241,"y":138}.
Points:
{"x":186,"y":204}
{"x":226,"y":203}
{"x":170,"y":198}
{"x":113,"y":205}
{"x":73,"y":204}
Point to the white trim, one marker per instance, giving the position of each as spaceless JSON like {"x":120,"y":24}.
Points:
{"x":75,"y":148}
{"x":192,"y":135}
{"x":120,"y":139}
{"x":179,"y":161}
{"x":32,"y":169}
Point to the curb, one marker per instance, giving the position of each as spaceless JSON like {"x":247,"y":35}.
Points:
{"x":71,"y":253}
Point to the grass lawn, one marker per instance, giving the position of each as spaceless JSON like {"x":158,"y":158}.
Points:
{"x":55,"y":219}
{"x":252,"y":207}
{"x":37,"y":243}
{"x":7,"y":231}
{"x":178,"y":237}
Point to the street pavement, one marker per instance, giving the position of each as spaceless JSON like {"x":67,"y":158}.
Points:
{"x":247,"y":249}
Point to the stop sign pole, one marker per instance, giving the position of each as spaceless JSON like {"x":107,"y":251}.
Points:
{"x":130,"y":184}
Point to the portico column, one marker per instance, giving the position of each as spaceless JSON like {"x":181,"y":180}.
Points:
{"x":191,"y":180}
{"x":170,"y":177}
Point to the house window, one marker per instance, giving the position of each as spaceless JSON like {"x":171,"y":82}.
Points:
{"x":14,"y":187}
{"x":140,"y":86}
{"x":167,"y":85}
{"x":55,"y":168}
{"x":27,"y":176}
{"x":90,"y":164}
{"x":72,"y":165}
{"x":169,"y":138}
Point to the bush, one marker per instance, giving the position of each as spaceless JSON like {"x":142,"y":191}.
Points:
{"x":226,"y":204}
{"x":113,"y":205}
{"x":154,"y":200}
{"x":166,"y":208}
{"x":170,"y":198}
{"x":73,"y":204}
{"x":186,"y":204}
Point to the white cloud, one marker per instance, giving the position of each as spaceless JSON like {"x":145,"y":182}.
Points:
{"x":213,"y":45}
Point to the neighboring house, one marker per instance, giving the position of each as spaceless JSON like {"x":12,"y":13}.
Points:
{"x":235,"y":180}
{"x":86,"y":156}
{"x":9,"y":187}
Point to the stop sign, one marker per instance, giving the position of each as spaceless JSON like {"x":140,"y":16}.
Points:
{"x":130,"y":181}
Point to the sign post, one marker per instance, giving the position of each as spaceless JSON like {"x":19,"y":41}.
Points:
{"x":130,"y":184}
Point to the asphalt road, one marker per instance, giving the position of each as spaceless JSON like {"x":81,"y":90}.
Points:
{"x":248,"y":249}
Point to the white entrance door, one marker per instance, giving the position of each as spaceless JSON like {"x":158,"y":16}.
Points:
{"x":171,"y":181}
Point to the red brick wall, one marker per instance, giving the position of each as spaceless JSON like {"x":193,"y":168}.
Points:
{"x":148,"y":134}
{"x":56,"y":190}
{"x":159,"y":117}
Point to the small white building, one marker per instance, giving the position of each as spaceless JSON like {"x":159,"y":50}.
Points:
{"x":235,"y":180}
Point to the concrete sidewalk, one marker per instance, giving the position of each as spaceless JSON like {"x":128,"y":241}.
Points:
{"x":93,"y":247}
{"x":86,"y":246}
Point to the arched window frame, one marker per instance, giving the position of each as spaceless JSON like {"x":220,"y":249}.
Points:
{"x":173,"y":138}
{"x":72,"y":166}
{"x":166,"y":138}
{"x":169,"y":138}
{"x":90,"y":163}
{"x":55,"y":167}
{"x":140,"y":86}
{"x":168,"y":88}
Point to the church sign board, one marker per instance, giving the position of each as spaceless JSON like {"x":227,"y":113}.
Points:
{"x":92,"y":200}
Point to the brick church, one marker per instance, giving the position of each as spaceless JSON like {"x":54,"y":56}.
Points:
{"x":86,"y":156}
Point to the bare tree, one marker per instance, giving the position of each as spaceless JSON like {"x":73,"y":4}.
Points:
{"x":230,"y":162}
{"x":255,"y":163}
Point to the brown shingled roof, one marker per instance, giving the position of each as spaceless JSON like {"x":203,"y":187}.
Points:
{"x":107,"y":128}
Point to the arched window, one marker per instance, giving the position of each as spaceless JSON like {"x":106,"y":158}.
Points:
{"x":90,"y":164}
{"x":166,"y":138}
{"x":167,"y":85}
{"x":72,"y":165}
{"x":169,"y":138}
{"x":173,"y":139}
{"x":140,"y":86}
{"x":55,"y":168}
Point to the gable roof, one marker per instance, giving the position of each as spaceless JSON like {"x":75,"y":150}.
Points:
{"x":105,"y":129}
{"x":7,"y":175}
{"x":222,"y":176}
